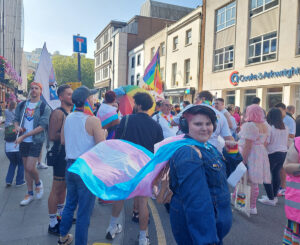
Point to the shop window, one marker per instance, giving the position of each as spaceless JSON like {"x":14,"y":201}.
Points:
{"x":249,"y":95}
{"x":162,"y":49}
{"x":259,"y":6}
{"x":174,"y":72}
{"x":132,"y":62}
{"x":297,"y":99}
{"x":263,"y":48}
{"x":175,"y":43}
{"x":188,"y":37}
{"x":132,"y":80}
{"x":226,"y":16}
{"x":230,"y":98}
{"x":187,"y":72}
{"x":274,"y":96}
{"x":223,"y":58}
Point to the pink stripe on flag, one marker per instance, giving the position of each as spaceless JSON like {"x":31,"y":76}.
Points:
{"x":167,"y":141}
{"x":108,"y":115}
{"x":107,"y":174}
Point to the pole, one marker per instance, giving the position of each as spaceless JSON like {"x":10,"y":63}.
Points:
{"x":79,"y":68}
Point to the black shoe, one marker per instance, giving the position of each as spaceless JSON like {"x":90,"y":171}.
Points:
{"x":54,"y":230}
{"x":135,"y":217}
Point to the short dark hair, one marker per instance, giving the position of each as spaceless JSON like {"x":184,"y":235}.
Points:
{"x":158,"y":103}
{"x":177,"y":106}
{"x":202,"y":110}
{"x":280,"y":105}
{"x":230,"y":108}
{"x":62,"y":89}
{"x":186,"y":102}
{"x":274,"y":118}
{"x":220,"y":99}
{"x":110,"y":96}
{"x":205,"y":94}
{"x":255,"y":100}
{"x":144,"y":100}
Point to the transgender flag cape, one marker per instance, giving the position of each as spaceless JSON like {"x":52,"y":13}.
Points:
{"x":118,"y":169}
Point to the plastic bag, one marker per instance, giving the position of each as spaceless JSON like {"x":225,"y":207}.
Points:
{"x":242,"y":196}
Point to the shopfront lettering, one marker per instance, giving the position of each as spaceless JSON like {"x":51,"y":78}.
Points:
{"x":235,"y":78}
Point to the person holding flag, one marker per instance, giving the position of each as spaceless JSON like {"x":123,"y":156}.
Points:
{"x":31,"y":121}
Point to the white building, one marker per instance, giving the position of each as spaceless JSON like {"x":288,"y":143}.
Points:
{"x":136,"y":65}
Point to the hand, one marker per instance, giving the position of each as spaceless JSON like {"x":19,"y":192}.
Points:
{"x":19,"y":130}
{"x":105,"y":133}
{"x":19,"y":140}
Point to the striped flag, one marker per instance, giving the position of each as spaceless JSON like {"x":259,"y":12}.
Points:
{"x":152,"y":75}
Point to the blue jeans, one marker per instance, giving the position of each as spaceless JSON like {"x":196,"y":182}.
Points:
{"x":15,"y":161}
{"x":77,"y":194}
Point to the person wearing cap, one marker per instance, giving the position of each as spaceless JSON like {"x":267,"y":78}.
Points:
{"x":31,"y":121}
{"x":81,"y":131}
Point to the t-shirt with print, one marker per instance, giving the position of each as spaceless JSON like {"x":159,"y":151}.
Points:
{"x":28,"y":119}
{"x":165,"y":122}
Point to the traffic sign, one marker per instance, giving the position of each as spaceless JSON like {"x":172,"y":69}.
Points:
{"x":79,"y":44}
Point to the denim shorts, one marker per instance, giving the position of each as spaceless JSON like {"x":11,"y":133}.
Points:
{"x":30,"y":149}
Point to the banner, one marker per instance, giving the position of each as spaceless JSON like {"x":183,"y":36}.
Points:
{"x":45,"y":75}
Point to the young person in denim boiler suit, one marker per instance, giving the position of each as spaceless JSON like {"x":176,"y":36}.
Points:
{"x":200,"y":211}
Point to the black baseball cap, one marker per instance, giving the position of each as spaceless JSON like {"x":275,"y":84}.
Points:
{"x":80,"y":95}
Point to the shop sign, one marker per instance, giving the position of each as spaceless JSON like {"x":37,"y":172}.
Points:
{"x":235,"y":78}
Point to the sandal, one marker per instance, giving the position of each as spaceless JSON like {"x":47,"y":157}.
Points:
{"x":67,"y":241}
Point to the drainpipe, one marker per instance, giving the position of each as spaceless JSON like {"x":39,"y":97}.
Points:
{"x":202,"y":43}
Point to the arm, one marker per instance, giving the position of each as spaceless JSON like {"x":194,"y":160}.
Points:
{"x":62,"y":133}
{"x":55,"y":125}
{"x":31,"y":133}
{"x":44,"y":119}
{"x":93,"y":125}
{"x":246,"y":150}
{"x":195,"y":195}
{"x":227,"y":115}
{"x":291,"y":164}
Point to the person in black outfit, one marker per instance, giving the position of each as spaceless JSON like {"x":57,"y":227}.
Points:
{"x":140,"y":129}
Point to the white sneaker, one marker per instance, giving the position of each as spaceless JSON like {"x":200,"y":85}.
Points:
{"x":39,"y":191}
{"x":253,"y":210}
{"x":266,"y":197}
{"x":267,"y":201}
{"x":112,"y":231}
{"x":41,"y":165}
{"x":281,"y":193}
{"x":144,"y":241}
{"x":28,"y":199}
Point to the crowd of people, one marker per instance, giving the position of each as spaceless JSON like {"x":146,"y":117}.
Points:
{"x":200,"y":208}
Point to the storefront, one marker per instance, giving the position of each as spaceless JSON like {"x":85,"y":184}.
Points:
{"x":176,"y":96}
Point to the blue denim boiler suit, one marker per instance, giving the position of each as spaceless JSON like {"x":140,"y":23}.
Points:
{"x":200,"y":211}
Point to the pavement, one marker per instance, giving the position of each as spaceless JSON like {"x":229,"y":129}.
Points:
{"x":28,"y":225}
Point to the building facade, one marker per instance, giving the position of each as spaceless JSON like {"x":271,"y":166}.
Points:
{"x":183,"y":57}
{"x":136,"y":65}
{"x":252,"y":48}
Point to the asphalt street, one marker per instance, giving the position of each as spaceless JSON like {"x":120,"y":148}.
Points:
{"x":28,"y":225}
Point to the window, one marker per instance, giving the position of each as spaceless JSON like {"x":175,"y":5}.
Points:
{"x":132,"y":62}
{"x":274,"y":96}
{"x":97,"y":75}
{"x":105,"y":55}
{"x":152,"y":52}
{"x":132,"y":80}
{"x":139,"y":60}
{"x":162,"y":73}
{"x":187,"y":66}
{"x":105,"y":38}
{"x":175,"y":43}
{"x":105,"y":72}
{"x":223,"y":58}
{"x":226,"y":16}
{"x":98,"y":60}
{"x":298,"y":40}
{"x":249,"y":95}
{"x":174,"y":71}
{"x":162,"y":49}
{"x":263,"y":48}
{"x":188,"y":37}
{"x":138,"y":79}
{"x":258,"y":6}
{"x":98,"y":44}
{"x":230,"y":97}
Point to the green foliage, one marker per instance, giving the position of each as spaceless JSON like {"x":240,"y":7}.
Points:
{"x":65,"y":68}
{"x":30,"y":79}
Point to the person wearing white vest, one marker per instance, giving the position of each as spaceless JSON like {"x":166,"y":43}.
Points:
{"x":82,"y":130}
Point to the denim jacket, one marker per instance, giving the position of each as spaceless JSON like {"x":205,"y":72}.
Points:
{"x":201,"y":191}
{"x":38,"y":120}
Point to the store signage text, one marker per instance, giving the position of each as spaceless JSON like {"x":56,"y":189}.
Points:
{"x":235,"y":78}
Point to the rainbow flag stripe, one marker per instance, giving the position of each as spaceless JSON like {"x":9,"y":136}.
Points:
{"x":152,"y":75}
{"x":119,"y":170}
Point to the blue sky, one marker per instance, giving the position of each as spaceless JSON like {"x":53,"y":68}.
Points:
{"x":56,"y":21}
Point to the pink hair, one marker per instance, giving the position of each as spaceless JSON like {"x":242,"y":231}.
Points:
{"x":255,"y":113}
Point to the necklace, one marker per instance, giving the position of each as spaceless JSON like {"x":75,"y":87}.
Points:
{"x":167,"y":119}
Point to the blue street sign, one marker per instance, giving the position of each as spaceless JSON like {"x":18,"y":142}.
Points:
{"x":79,"y":44}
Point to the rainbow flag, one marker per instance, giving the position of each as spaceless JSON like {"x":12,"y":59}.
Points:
{"x":152,"y":75}
{"x":119,"y":169}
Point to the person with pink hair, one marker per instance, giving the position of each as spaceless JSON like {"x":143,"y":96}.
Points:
{"x":253,"y":138}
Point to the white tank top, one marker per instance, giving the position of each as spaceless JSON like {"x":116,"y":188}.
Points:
{"x":77,"y":139}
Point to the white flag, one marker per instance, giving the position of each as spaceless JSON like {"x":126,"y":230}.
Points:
{"x":45,"y":75}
